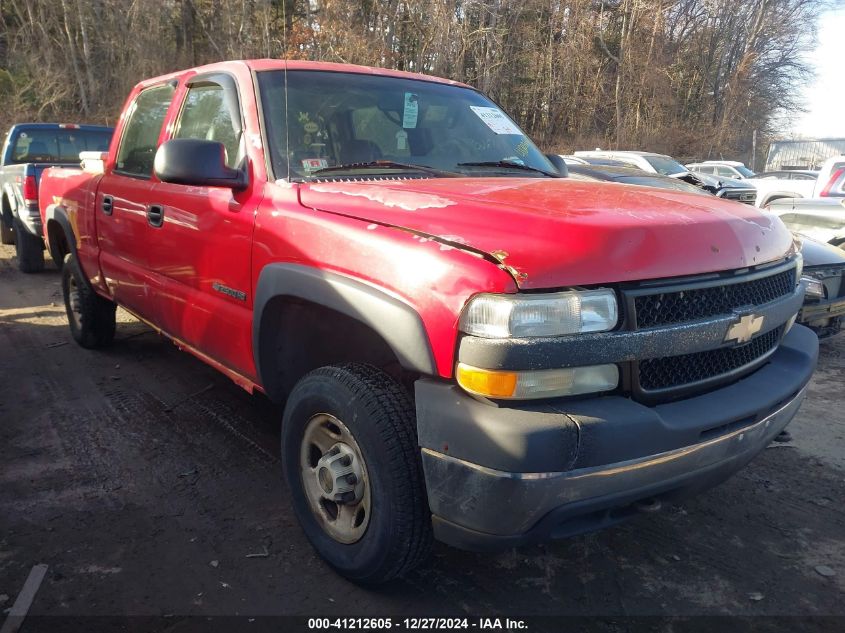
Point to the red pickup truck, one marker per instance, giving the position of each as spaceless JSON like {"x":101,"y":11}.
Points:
{"x":468,"y":345}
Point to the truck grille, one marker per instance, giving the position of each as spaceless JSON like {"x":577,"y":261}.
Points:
{"x":744,"y":196}
{"x":689,"y":305}
{"x":665,"y":373}
{"x":683,"y":301}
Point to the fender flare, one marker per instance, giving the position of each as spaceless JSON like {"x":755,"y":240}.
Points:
{"x":770,"y":196}
{"x":9,"y":194}
{"x":399,"y":325}
{"x":58,"y":214}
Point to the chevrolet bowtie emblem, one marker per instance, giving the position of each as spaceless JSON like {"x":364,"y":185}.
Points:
{"x":745,"y":328}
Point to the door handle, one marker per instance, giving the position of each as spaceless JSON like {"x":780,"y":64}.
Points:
{"x":155,"y":215}
{"x":107,"y":205}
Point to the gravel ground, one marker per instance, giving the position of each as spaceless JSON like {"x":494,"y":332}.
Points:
{"x":145,"y":480}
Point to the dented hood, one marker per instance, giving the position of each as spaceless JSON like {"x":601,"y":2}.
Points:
{"x":552,"y":233}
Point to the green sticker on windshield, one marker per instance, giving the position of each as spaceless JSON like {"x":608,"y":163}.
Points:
{"x":410,"y":111}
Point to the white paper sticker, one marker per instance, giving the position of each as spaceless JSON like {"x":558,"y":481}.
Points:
{"x":401,"y":140}
{"x":496,"y":120}
{"x":410,"y":111}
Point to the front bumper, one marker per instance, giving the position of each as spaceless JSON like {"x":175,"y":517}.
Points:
{"x":500,"y":477}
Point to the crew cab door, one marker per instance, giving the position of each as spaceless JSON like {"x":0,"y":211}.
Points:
{"x":201,"y":254}
{"x":124,"y":208}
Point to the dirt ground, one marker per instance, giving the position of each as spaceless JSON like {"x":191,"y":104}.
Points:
{"x":146,"y":480}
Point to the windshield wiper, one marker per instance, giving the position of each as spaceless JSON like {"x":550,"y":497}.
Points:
{"x":508,"y":165}
{"x":384,"y":164}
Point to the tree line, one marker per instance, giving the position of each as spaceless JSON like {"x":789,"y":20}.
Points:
{"x":692,"y":78}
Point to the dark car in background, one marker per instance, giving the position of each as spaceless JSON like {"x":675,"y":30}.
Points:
{"x":633,"y":176}
{"x":28,"y":150}
{"x":824,"y":283}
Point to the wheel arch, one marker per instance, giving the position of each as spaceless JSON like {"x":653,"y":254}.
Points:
{"x":6,"y":206}
{"x":335,"y":318}
{"x":778,"y":195}
{"x":61,"y":239}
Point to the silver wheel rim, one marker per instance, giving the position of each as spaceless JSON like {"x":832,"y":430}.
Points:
{"x":334,"y":478}
{"x":74,"y":301}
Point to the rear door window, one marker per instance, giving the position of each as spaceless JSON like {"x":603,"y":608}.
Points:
{"x":142,"y":130}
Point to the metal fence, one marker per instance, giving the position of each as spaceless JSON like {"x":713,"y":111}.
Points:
{"x":803,"y":154}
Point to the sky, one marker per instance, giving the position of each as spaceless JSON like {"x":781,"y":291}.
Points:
{"x":824,"y":96}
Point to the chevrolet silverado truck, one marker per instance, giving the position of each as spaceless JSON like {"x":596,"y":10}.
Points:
{"x":28,"y":150}
{"x":467,"y":345}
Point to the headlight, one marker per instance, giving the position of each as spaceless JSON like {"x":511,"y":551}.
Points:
{"x":528,"y":385}
{"x":799,"y":265}
{"x":813,"y":287}
{"x":525,"y":315}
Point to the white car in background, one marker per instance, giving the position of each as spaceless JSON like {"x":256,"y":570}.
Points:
{"x":647,"y":161}
{"x":724,"y":168}
{"x":821,"y":216}
{"x":777,"y":185}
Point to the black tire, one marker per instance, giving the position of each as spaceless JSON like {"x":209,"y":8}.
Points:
{"x":29,"y":249}
{"x":380,"y":415}
{"x":92,"y":319}
{"x":7,"y":235}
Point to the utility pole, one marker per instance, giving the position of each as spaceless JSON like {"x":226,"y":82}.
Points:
{"x":753,"y":165}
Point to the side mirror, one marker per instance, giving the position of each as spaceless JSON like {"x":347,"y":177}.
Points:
{"x":559,"y":164}
{"x":187,"y":161}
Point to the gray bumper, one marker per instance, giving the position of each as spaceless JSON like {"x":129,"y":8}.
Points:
{"x":30,"y":217}
{"x":499,"y":477}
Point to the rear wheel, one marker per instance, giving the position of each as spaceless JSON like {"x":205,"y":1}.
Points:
{"x":91,"y":318}
{"x":351,"y":461}
{"x":29,"y":249}
{"x":7,"y":235}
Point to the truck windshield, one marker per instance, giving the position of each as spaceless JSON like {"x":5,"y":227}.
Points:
{"x":666,"y":166}
{"x":372,"y":123}
{"x":61,"y":145}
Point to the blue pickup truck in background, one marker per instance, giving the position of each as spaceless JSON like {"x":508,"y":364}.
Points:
{"x":28,"y":150}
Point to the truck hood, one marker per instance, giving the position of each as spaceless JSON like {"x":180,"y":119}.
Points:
{"x":550,"y":233}
{"x":721,"y":182}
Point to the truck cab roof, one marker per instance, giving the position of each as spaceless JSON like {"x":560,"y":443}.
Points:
{"x":260,"y":65}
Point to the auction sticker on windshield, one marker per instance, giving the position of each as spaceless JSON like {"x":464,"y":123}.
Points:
{"x":496,"y":120}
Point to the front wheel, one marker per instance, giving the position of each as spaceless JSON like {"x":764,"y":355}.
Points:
{"x":92,"y":318}
{"x":351,"y":462}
